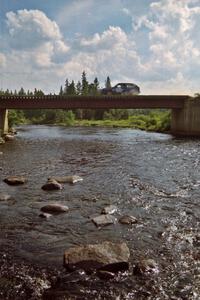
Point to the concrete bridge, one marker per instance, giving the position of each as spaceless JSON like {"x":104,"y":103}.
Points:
{"x":185,"y":118}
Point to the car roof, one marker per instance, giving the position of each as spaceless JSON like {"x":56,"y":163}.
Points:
{"x":127,"y":83}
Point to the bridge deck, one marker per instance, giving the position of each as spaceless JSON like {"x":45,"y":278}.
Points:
{"x":87,"y":102}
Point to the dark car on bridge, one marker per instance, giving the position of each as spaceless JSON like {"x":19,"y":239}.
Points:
{"x":122,"y":89}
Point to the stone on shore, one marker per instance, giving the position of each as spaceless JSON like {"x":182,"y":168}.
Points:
{"x":55,"y":208}
{"x":103,"y":220}
{"x":15,"y":180}
{"x":110,"y":209}
{"x":128,"y":220}
{"x":67,"y":179}
{"x":107,"y":256}
{"x":52,"y":185}
{"x":9,"y":137}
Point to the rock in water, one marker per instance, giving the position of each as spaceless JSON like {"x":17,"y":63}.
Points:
{"x":103,"y":220}
{"x":15,"y":180}
{"x":52,"y":185}
{"x":110,"y":209}
{"x":145,"y":267}
{"x":4,"y":197}
{"x":105,"y":275}
{"x":128,"y":220}
{"x":54,"y":208}
{"x":108,"y":256}
{"x":45,"y":215}
{"x":67,"y":179}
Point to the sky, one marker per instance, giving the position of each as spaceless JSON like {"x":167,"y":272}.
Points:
{"x":152,"y":43}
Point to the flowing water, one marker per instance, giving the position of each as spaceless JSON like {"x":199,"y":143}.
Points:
{"x":154,"y":177}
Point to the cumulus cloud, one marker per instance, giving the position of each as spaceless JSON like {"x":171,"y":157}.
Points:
{"x":171,"y":27}
{"x":160,"y":51}
{"x":30,"y":28}
{"x":33,"y":31}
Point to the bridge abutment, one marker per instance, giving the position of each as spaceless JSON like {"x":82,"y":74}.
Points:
{"x":186,"y":121}
{"x":3,"y":121}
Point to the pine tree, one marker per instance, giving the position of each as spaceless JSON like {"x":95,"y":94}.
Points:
{"x":66,"y":87}
{"x":108,"y":83}
{"x":61,"y":91}
{"x":85,"y":84}
{"x":21,"y":92}
{"x":71,"y":88}
{"x":78,"y":88}
{"x":96,"y":83}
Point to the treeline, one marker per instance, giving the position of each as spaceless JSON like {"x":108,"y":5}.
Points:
{"x":156,"y":120}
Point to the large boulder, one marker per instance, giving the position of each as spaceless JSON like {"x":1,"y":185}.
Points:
{"x":51,"y":185}
{"x":107,"y":256}
{"x":67,"y":179}
{"x":15,"y":180}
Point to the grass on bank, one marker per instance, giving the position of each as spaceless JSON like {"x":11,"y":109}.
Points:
{"x":154,"y":121}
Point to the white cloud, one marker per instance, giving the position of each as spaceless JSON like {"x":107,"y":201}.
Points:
{"x":2,"y":60}
{"x":32,"y":31}
{"x":109,"y":38}
{"x":167,"y":55}
{"x":30,"y":28}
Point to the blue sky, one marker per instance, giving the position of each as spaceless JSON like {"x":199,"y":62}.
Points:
{"x":153,"y":43}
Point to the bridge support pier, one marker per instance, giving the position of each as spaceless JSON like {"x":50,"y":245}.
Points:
{"x":3,"y":121}
{"x":186,"y":121}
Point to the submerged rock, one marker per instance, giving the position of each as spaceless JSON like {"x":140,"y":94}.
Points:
{"x":45,"y":215}
{"x":107,"y":256}
{"x":110,"y":209}
{"x":67,"y":179}
{"x":15,"y":180}
{"x":145,"y":266}
{"x":105,"y":275}
{"x":103,"y":220}
{"x":54,"y":208}
{"x":128,"y":220}
{"x":4,"y":197}
{"x":52,"y":185}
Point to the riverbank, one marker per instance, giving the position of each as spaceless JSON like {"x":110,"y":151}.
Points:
{"x":154,"y":120}
{"x":157,"y":122}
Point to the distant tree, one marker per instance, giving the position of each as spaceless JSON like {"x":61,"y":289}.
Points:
{"x":38,"y":92}
{"x":78,"y":88}
{"x":71,"y":90}
{"x":84,"y":84}
{"x":108,"y":83}
{"x":21,"y":92}
{"x":96,"y":83}
{"x":61,"y":91}
{"x":66,"y":86}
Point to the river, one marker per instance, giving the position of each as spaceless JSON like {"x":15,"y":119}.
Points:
{"x":154,"y":177}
